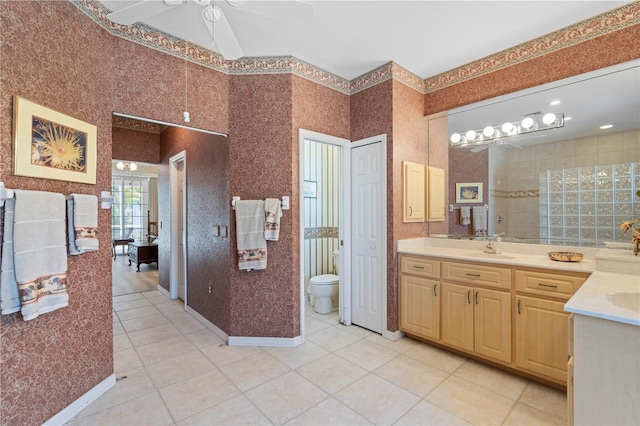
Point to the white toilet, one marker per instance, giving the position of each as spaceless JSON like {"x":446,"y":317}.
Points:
{"x":324,"y":288}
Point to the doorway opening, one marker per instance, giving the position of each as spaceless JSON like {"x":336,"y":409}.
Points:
{"x":178,"y":219}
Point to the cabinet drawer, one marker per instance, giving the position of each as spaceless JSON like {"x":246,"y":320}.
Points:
{"x":547,"y":284}
{"x":420,"y":266}
{"x":477,"y":274}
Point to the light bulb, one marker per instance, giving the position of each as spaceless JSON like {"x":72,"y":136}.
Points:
{"x":471,"y":135}
{"x":489,"y":131}
{"x":185,"y":116}
{"x":507,"y":127}
{"x":133,"y":167}
{"x":120,"y":165}
{"x":549,"y":118}
{"x":527,"y":123}
{"x":455,"y":138}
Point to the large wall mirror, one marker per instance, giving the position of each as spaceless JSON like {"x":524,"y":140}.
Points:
{"x":559,"y":163}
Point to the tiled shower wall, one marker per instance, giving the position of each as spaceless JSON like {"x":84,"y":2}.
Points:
{"x":517,"y":199}
{"x":589,"y":203}
{"x":322,"y":165}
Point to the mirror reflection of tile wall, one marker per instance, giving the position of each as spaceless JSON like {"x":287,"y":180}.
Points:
{"x":515,"y":178}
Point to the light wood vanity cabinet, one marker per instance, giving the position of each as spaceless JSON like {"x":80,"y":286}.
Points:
{"x":414,"y":200}
{"x":420,"y":297}
{"x":541,"y":323}
{"x":511,"y":315}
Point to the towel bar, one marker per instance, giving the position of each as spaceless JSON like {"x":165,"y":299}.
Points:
{"x":106,"y":200}
{"x":452,"y":207}
{"x":5,"y":194}
{"x":285,"y":202}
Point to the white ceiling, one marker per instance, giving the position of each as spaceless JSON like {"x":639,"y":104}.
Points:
{"x":350,"y":38}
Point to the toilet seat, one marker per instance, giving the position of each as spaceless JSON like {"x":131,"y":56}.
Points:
{"x":326,"y":279}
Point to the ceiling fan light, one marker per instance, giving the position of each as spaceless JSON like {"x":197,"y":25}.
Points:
{"x":211,"y":14}
{"x":549,"y":118}
{"x":120,"y":165}
{"x":133,"y":167}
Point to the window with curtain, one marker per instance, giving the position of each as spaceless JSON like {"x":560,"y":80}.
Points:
{"x":130,"y":210}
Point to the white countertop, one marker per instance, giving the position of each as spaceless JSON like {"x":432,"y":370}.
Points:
{"x":592,"y":299}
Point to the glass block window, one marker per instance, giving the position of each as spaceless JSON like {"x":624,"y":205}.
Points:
{"x":588,"y":203}
{"x":129,"y":212}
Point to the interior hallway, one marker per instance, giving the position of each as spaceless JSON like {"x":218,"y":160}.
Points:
{"x":172,"y":370}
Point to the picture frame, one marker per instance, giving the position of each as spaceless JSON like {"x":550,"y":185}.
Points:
{"x":48,"y":144}
{"x":469,"y":192}
{"x":310,"y":189}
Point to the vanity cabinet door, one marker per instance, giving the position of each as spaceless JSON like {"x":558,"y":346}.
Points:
{"x":492,"y":324}
{"x":420,"y":306}
{"x":436,"y":195}
{"x":541,"y":337}
{"x":457,"y":316}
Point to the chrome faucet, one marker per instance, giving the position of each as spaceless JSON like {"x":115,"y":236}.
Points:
{"x":490,"y":248}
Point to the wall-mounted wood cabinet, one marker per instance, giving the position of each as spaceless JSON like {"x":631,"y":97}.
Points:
{"x":435,"y":195}
{"x":414,"y":200}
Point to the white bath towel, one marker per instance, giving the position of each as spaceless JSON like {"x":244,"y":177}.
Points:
{"x":480,"y":220}
{"x":85,"y":222}
{"x":465,"y":215}
{"x":252,"y":247}
{"x":272,"y":215}
{"x":9,"y":295}
{"x":40,"y":252}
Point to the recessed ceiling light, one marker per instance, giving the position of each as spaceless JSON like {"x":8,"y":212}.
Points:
{"x":555,"y":103}
{"x":606,"y":126}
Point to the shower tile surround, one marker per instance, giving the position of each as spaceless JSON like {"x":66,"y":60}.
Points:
{"x":106,"y":73}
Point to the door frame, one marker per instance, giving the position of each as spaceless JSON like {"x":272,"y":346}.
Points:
{"x":343,"y":229}
{"x":381,"y":139}
{"x":174,"y":230}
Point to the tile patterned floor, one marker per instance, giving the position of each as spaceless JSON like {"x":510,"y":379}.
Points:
{"x":172,"y":370}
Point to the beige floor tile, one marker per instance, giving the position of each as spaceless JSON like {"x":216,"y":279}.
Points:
{"x":235,"y":411}
{"x":148,"y":409}
{"x":158,"y":299}
{"x":358,"y":331}
{"x":412,"y":375}
{"x":121,"y":342}
{"x":285,"y":397}
{"x":369,"y":355}
{"x":179,"y":368}
{"x":547,"y":399}
{"x":332,"y":338}
{"x":125,"y":360}
{"x":117,"y":328}
{"x":188,"y":324}
{"x":164,"y":349}
{"x":332,"y":373}
{"x":333,"y":318}
{"x":153,"y":334}
{"x":135,"y":384}
{"x":377,"y":400}
{"x":298,"y":356}
{"x":436,"y":357}
{"x":401,"y":345}
{"x":471,"y":402}
{"x":493,"y":379}
{"x":253,"y":371}
{"x":131,"y":304}
{"x":223,"y":355}
{"x":203,"y":338}
{"x":194,"y":395}
{"x":311,"y":325}
{"x":127,"y":298}
{"x":426,"y":413}
{"x":522,"y":415}
{"x":144,"y":322}
{"x":329,"y":412}
{"x":145,"y":311}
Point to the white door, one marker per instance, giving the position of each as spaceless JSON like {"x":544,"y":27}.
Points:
{"x":368,"y":236}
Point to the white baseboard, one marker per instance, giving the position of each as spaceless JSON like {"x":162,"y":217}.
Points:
{"x":164,"y":291}
{"x":211,"y":326}
{"x":272,"y":342}
{"x":79,"y":404}
{"x":392,"y":335}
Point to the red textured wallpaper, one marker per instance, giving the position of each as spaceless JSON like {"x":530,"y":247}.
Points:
{"x":135,"y":145}
{"x":48,"y":362}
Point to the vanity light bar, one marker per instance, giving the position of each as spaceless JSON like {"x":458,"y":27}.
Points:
{"x":528,"y":124}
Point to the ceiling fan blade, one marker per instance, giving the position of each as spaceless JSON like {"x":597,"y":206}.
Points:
{"x":291,"y":10}
{"x":140,"y":11}
{"x":222,"y":33}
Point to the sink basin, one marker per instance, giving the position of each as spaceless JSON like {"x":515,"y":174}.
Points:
{"x":488,"y":255}
{"x":627,"y":300}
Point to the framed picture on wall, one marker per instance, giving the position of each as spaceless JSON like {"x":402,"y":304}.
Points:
{"x":50,"y":145}
{"x":310,"y":188}
{"x":469,"y":192}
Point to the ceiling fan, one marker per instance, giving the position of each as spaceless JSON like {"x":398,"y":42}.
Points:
{"x":214,"y":17}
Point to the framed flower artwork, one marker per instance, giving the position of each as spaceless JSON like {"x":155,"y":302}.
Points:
{"x":51,"y":145}
{"x":469,"y":192}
